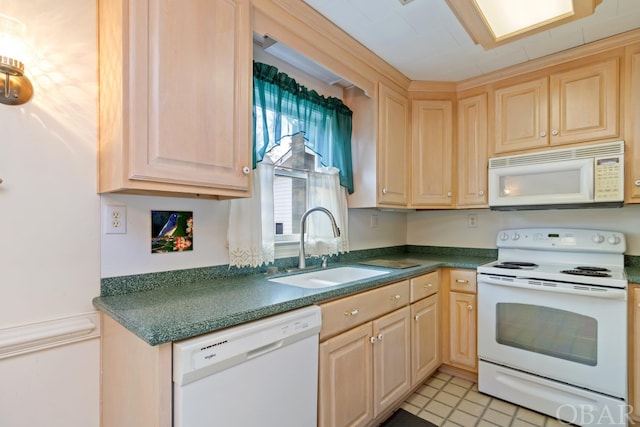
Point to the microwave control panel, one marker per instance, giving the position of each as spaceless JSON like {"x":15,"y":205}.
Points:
{"x":608,"y":179}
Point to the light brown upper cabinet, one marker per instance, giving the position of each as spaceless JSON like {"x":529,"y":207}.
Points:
{"x":472,"y":152}
{"x":432,"y":154}
{"x":393,"y":147}
{"x":175,"y":97}
{"x":577,"y":105}
{"x":632,"y":129}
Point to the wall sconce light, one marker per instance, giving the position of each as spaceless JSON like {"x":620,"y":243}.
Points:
{"x":15,"y":87}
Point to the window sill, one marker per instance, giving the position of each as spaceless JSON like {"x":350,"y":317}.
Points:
{"x":287,"y":248}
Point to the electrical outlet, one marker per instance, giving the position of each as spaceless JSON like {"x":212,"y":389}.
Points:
{"x":472,"y":221}
{"x":115,"y":219}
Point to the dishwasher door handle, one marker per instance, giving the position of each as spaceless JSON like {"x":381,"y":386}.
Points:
{"x":264,"y":349}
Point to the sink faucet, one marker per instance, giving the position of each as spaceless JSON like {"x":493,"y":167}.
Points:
{"x":336,"y":231}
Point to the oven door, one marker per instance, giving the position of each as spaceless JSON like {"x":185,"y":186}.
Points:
{"x":570,"y":333}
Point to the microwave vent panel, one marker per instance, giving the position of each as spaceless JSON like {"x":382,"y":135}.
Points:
{"x":608,"y":149}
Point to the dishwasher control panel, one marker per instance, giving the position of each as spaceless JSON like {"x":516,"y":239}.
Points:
{"x":214,"y":352}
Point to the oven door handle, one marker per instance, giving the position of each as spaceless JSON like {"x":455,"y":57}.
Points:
{"x":549,"y":286}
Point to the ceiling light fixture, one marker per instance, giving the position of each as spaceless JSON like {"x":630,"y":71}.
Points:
{"x":492,"y":23}
{"x":15,"y":87}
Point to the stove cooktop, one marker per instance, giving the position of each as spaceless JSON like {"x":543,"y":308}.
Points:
{"x":582,"y":256}
{"x":612,"y":276}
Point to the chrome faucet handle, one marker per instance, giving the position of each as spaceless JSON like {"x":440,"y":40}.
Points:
{"x":324,"y":261}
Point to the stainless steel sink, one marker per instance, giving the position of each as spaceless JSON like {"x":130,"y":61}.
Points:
{"x":332,"y":277}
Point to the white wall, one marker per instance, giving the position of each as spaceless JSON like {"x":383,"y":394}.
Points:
{"x":49,"y":258}
{"x":449,"y":228}
{"x":130,"y":253}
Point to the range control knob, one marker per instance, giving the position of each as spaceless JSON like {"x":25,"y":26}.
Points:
{"x":504,"y":236}
{"x":597,"y":238}
{"x":613,"y":240}
{"x":515,"y":236}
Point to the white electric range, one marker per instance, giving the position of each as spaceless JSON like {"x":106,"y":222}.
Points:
{"x":552,"y":316}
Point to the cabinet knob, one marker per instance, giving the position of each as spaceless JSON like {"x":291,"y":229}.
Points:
{"x":554,"y":132}
{"x":449,"y":194}
{"x":379,"y":337}
{"x":418,"y":317}
{"x":372,"y":340}
{"x":637,"y":182}
{"x":352,"y":312}
{"x":543,"y":134}
{"x":246,"y":170}
{"x":427,"y":286}
{"x":469,"y":307}
{"x":481,"y":193}
{"x":384,"y":191}
{"x":395,"y":297}
{"x":462,"y":281}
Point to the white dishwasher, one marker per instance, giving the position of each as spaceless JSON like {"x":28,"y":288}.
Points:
{"x":263,"y":373}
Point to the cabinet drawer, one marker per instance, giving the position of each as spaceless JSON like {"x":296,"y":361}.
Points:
{"x":345,"y":313}
{"x":463,"y":281}
{"x":424,"y":286}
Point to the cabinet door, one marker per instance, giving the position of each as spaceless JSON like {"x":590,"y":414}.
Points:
{"x":472,"y":152}
{"x":393,"y":148}
{"x":432,"y":154}
{"x":521,"y":116}
{"x":462,"y":335}
{"x":632,"y":129}
{"x":175,"y":96}
{"x":584,"y":103}
{"x":345,"y":383}
{"x":425,"y":339}
{"x":391,"y":359}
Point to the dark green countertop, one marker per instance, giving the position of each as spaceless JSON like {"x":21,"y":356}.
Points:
{"x":200,"y":306}
{"x":633,"y":274}
{"x":165,"y":307}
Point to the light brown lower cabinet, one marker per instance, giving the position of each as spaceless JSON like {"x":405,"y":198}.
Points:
{"x":462,"y":332}
{"x":136,"y":379}
{"x":364,"y":370}
{"x":425,"y":326}
{"x":460,"y":320}
{"x":425,"y":339}
{"x":365,"y":359}
{"x":371,"y":356}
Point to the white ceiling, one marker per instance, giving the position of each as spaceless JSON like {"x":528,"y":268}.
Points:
{"x":424,"y":40}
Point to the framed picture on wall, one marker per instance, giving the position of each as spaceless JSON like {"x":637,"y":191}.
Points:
{"x":171,"y":231}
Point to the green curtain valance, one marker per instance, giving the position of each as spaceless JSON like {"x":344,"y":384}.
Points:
{"x":282,"y":107}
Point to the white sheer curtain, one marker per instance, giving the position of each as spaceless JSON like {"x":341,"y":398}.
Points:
{"x":251,"y":235}
{"x":324,"y":190}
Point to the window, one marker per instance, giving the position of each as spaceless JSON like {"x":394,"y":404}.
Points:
{"x":293,"y":162}
{"x":301,"y":159}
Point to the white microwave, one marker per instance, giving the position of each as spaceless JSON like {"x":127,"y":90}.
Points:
{"x":587,"y":176}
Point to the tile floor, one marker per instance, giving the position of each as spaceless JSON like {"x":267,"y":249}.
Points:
{"x":449,"y":401}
